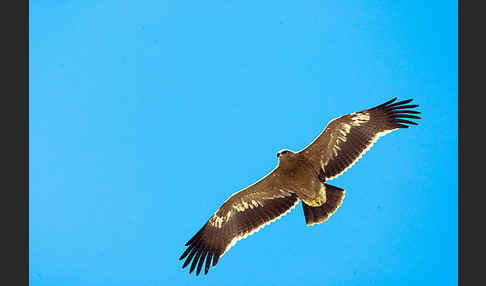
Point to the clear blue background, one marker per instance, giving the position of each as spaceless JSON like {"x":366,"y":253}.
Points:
{"x":145,"y":116}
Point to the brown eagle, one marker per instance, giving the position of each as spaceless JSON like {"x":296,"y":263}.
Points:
{"x":298,"y":176}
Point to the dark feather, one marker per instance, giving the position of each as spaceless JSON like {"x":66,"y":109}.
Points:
{"x":208,"y":245}
{"x":346,"y":138}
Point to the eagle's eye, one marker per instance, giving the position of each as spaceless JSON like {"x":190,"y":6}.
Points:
{"x":283,"y":152}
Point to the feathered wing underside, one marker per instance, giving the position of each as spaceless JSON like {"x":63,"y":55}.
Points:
{"x":347,"y":138}
{"x":241,"y":215}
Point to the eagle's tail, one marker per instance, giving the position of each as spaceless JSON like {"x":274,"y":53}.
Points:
{"x":315,"y":215}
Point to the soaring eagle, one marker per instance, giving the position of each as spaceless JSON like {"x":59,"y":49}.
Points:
{"x":298,"y":176}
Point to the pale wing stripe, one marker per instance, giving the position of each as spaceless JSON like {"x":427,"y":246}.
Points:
{"x":373,"y":140}
{"x":246,"y":234}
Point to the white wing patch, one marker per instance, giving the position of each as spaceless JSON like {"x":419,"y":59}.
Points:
{"x":341,"y":137}
{"x":359,"y":118}
{"x":246,"y":234}
{"x":373,"y":140}
{"x":217,"y":221}
{"x":242,"y":206}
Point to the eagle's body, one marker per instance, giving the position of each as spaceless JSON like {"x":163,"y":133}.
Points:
{"x":298,"y":176}
{"x":297,"y":173}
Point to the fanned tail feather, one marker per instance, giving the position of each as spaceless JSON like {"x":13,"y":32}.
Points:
{"x":316,"y":215}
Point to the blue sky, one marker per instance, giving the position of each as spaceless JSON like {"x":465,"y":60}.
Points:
{"x":146,"y":116}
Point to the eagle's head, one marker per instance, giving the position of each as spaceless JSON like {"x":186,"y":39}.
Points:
{"x":283,"y":155}
{"x":287,"y":159}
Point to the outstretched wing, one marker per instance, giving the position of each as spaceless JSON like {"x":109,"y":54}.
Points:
{"x":348,"y":137}
{"x":244,"y":213}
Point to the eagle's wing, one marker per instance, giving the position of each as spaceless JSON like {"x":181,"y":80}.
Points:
{"x":348,"y":137}
{"x":244,"y":213}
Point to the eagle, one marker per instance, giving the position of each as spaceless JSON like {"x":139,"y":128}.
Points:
{"x":298,"y":176}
